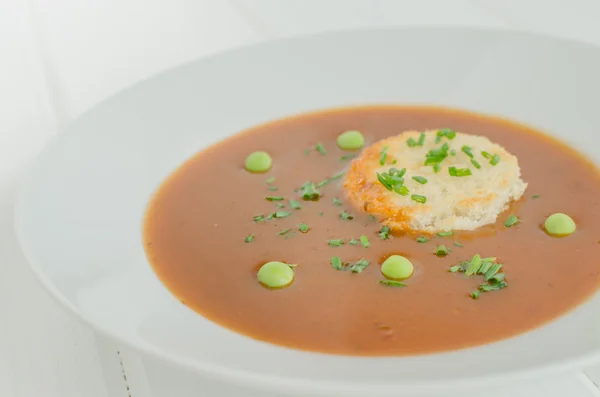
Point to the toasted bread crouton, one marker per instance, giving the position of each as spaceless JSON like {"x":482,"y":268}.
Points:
{"x":434,"y":181}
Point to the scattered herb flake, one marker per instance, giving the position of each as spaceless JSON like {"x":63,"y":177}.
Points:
{"x":486,"y":155}
{"x":331,"y":179}
{"x":475,"y":294}
{"x":347,"y":157}
{"x":364,"y":240}
{"x":295,"y":204}
{"x":249,"y":238}
{"x":279,"y":214}
{"x":272,"y":188}
{"x":420,"y":179}
{"x":436,"y":168}
{"x":284,"y":231}
{"x":495,"y":268}
{"x":270,"y":180}
{"x":320,"y":148}
{"x":436,"y":156}
{"x":337,"y":201}
{"x":422,"y":239}
{"x":453,"y":171}
{"x":452,"y":152}
{"x":401,"y":190}
{"x":419,"y":199}
{"x":280,"y":205}
{"x":259,"y":218}
{"x":303,"y":227}
{"x":454,"y":269}
{"x":411,"y":142}
{"x":511,"y":221}
{"x":446,"y":132}
{"x":392,"y":283}
{"x":535,"y":196}
{"x":467,"y":150}
{"x":446,"y":233}
{"x":459,"y":245}
{"x":421,"y":139}
{"x":346,"y":216}
{"x":335,"y":242}
{"x":321,"y":213}
{"x":384,"y":232}
{"x":353,"y":242}
{"x":336,"y":263}
{"x":495,"y":160}
{"x":275,"y":198}
{"x":383,"y":155}
{"x":309,"y":191}
{"x":441,"y":251}
{"x":359,"y":266}
{"x":475,"y":164}
{"x":474,"y":266}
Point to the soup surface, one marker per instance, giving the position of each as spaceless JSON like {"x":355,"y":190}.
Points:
{"x":198,"y":222}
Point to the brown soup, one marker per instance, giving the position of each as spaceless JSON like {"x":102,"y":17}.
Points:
{"x":197,"y":222}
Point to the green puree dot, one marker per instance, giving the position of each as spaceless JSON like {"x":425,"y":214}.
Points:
{"x":275,"y":275}
{"x":350,"y":140}
{"x":258,"y":162}
{"x":397,"y":267}
{"x":559,"y":225}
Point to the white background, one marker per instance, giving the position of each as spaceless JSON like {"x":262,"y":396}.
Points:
{"x":60,"y":57}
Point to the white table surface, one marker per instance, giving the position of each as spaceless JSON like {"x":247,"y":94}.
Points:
{"x":60,"y":57}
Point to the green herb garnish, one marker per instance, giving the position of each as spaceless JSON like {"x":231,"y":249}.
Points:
{"x":494,"y":279}
{"x":259,"y":218}
{"x":474,"y":266}
{"x":321,"y":213}
{"x":384,"y":232}
{"x":279,"y":215}
{"x":280,"y":205}
{"x":284,"y":231}
{"x":330,"y":179}
{"x":441,"y":251}
{"x":467,"y":150}
{"x":486,"y":155}
{"x":495,"y":160}
{"x":453,"y":171}
{"x":303,"y":227}
{"x":364,"y":240}
{"x":383,"y":155}
{"x":445,"y":132}
{"x":422,"y":239}
{"x":392,"y":283}
{"x":346,"y":216}
{"x":475,"y":164}
{"x":420,"y":179}
{"x":436,"y":168}
{"x":459,"y":245}
{"x":335,"y":242}
{"x":320,"y":148}
{"x":249,"y":238}
{"x":272,"y":188}
{"x":421,"y":139}
{"x":347,"y":157}
{"x":511,"y":221}
{"x":436,"y":156}
{"x":336,"y":263}
{"x":475,"y":294}
{"x":295,"y":204}
{"x":359,"y":266}
{"x":275,"y":198}
{"x":535,"y":196}
{"x":353,"y":242}
{"x":411,"y":142}
{"x":270,"y":180}
{"x":454,"y":269}
{"x":309,"y":191}
{"x":337,"y":201}
{"x":419,"y":199}
{"x":445,"y":233}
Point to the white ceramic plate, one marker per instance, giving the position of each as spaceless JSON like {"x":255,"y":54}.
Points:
{"x":79,"y":212}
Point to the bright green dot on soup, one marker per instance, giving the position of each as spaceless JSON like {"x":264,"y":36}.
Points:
{"x":350,"y":140}
{"x":258,"y":162}
{"x":275,"y":275}
{"x":559,"y":225}
{"x":397,"y":267}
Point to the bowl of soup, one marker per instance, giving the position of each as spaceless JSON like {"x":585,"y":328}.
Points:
{"x":385,"y":213}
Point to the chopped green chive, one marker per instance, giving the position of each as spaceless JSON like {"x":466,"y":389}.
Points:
{"x":535,"y":196}
{"x":280,"y":205}
{"x":270,"y":180}
{"x":420,"y":179}
{"x":421,"y":139}
{"x":436,"y":168}
{"x":452,"y":152}
{"x":494,"y":279}
{"x":275,"y":198}
{"x":493,"y":270}
{"x":419,"y":199}
{"x":320,"y":148}
{"x":335,"y":242}
{"x":467,"y":150}
{"x":249,"y":238}
{"x":295,"y":204}
{"x":459,"y":245}
{"x":259,"y":218}
{"x":445,"y":132}
{"x":384,"y":232}
{"x":353,"y":242}
{"x":392,"y":283}
{"x":309,"y":191}
{"x":475,"y":164}
{"x":303,"y":227}
{"x":272,"y":188}
{"x":453,"y":171}
{"x":321,"y":213}
{"x":495,"y":160}
{"x":475,"y":294}
{"x":330,"y":179}
{"x":411,"y":142}
{"x":347,"y":157}
{"x":422,"y":239}
{"x":474,"y":266}
{"x":383,"y":155}
{"x":279,"y":215}
{"x":359,"y":266}
{"x":284,"y":231}
{"x":346,"y":216}
{"x":337,"y":201}
{"x":441,"y":251}
{"x":436,"y":156}
{"x":446,"y":233}
{"x":336,"y":263}
{"x":454,"y":269}
{"x":486,"y":155}
{"x":511,"y":221}
{"x":364,"y":240}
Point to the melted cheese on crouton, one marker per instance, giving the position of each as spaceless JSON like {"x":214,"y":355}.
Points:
{"x":397,"y":180}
